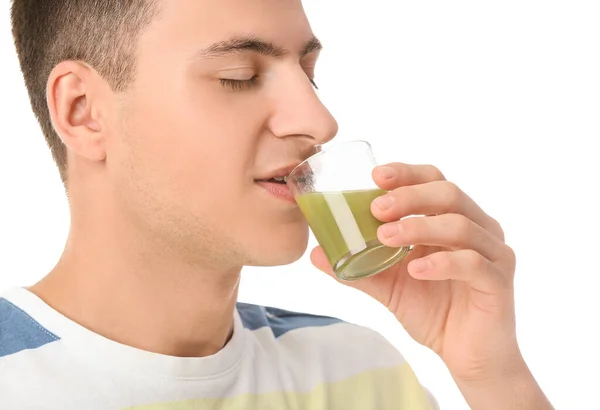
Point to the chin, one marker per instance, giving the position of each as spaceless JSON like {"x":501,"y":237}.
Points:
{"x":283,"y":251}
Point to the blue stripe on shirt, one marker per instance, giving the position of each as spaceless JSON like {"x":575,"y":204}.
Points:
{"x":280,"y":321}
{"x":19,"y":331}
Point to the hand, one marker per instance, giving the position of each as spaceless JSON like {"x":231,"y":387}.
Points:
{"x":454,"y":291}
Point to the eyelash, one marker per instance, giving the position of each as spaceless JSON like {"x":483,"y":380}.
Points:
{"x":238,"y":85}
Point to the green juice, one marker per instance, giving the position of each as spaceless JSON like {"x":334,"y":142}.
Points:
{"x":346,"y":229}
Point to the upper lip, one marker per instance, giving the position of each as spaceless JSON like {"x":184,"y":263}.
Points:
{"x":279,"y":172}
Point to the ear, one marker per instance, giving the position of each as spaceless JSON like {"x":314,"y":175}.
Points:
{"x":73,"y":97}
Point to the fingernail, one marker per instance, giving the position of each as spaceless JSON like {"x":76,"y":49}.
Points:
{"x":389,"y":230}
{"x":420,"y":265}
{"x":386,"y":172}
{"x":384,"y":202}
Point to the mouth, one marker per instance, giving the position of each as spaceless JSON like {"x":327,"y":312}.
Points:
{"x":277,"y":180}
{"x":274,"y":182}
{"x":278,"y":175}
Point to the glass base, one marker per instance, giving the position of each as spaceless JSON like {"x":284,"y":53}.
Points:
{"x":374,"y":259}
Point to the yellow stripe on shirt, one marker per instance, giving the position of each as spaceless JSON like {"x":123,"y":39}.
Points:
{"x":395,"y":388}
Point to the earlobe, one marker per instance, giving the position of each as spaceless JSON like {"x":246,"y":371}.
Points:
{"x":70,"y":97}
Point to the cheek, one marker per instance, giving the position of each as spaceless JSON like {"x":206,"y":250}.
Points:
{"x":190,"y":179}
{"x":189,"y":145}
{"x":196,"y":150}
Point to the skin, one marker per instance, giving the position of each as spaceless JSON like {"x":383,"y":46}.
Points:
{"x":164,"y":202}
{"x":161,"y":177}
{"x":454,"y":293}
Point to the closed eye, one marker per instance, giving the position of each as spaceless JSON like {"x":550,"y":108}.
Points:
{"x":237,"y":85}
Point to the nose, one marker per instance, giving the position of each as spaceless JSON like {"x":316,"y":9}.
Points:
{"x":298,"y":111}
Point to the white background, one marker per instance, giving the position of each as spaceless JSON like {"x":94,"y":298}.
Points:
{"x":504,"y":97}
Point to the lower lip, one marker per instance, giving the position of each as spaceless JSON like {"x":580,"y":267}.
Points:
{"x":281,"y":191}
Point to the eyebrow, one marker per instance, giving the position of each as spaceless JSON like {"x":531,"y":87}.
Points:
{"x":255,"y":45}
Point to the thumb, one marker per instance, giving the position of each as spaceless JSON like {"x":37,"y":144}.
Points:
{"x":377,"y":286}
{"x":318,"y":258}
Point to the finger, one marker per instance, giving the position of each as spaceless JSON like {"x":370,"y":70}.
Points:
{"x":397,"y":174}
{"x":377,"y":286}
{"x":432,"y":198}
{"x":464,"y":265}
{"x":319,"y":259}
{"x":452,"y":231}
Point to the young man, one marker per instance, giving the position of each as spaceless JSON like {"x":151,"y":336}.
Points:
{"x":166,"y":119}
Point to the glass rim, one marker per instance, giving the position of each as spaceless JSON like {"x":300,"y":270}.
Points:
{"x":325,"y":150}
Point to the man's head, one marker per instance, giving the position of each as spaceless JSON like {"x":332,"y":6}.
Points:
{"x":100,"y":33}
{"x":169,"y":111}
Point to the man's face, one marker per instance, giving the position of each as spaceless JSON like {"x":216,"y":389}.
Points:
{"x":203,"y":125}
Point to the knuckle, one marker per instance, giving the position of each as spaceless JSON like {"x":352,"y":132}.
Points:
{"x":462,"y":228}
{"x":410,"y":227}
{"x":434,"y":173}
{"x":452,"y":195}
{"x":445,"y":260}
{"x":403,"y":171}
{"x":475,"y":260}
{"x":511,"y":259}
{"x":497,"y":229}
{"x":405,"y":194}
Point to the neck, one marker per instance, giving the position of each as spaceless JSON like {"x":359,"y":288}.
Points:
{"x":127,"y":289}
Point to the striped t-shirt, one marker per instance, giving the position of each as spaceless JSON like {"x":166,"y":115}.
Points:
{"x":275,"y":360}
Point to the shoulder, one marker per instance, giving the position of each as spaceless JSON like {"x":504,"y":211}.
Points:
{"x":27,"y":353}
{"x":351,"y":361}
{"x":19,"y":332}
{"x":291,"y":326}
{"x":280,"y":321}
{"x":309,"y":332}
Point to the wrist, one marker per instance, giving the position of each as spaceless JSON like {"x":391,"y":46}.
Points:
{"x":514,"y":388}
{"x":488,"y":364}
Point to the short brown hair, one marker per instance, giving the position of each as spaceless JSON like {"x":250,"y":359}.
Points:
{"x":101,"y":33}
